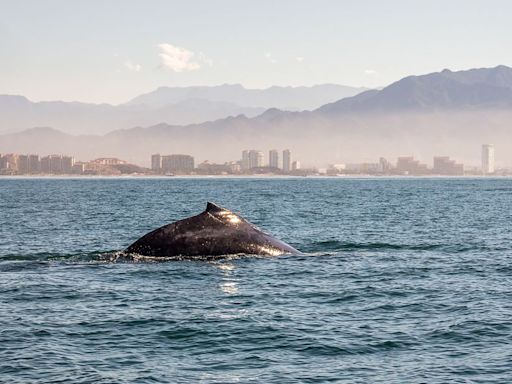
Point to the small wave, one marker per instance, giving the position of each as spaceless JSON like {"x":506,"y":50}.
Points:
{"x":123,"y":257}
{"x":64,"y":257}
{"x":115,"y":257}
{"x":334,"y":246}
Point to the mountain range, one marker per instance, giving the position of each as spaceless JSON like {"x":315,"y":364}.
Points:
{"x":442,"y":113}
{"x":287,"y":98}
{"x":475,"y":88}
{"x":175,"y":106}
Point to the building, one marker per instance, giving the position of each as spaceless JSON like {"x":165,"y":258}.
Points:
{"x":108,"y":161}
{"x":51,"y":164}
{"x":256,"y":159}
{"x":273,"y":158}
{"x":177,"y":163}
{"x":234,"y":166}
{"x":337,"y":167}
{"x":9,"y":163}
{"x":287,"y":160}
{"x":12,"y":163}
{"x":22,"y":164}
{"x":487,"y":159}
{"x":245,"y":160}
{"x":79,"y":168}
{"x":296,"y":165}
{"x":409,"y":166}
{"x":365,"y":168}
{"x":443,"y":165}
{"x":156,"y":162}
{"x":67,"y":163}
{"x":384,"y":165}
{"x":209,"y":168}
{"x":34,"y":165}
{"x":57,"y":164}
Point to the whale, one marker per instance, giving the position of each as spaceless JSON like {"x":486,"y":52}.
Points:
{"x":215,"y":232}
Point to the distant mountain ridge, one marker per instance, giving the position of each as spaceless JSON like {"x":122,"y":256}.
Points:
{"x":18,"y":113}
{"x":475,"y":88}
{"x":287,"y":98}
{"x":174,"y":106}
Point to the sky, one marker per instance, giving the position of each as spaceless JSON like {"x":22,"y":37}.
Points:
{"x":109,"y":51}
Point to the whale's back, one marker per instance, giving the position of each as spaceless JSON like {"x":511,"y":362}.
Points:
{"x":216,"y":231}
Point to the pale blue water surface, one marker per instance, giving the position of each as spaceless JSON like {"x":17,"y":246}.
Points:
{"x":402,"y":281}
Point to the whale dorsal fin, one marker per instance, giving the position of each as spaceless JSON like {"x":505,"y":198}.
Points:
{"x":213,"y":208}
{"x":223,"y":215}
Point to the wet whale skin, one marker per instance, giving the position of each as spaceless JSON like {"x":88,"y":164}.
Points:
{"x":216,"y":231}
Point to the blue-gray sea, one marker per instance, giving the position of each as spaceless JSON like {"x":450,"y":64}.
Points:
{"x":403,"y":281}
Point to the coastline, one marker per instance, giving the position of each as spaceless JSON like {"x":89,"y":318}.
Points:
{"x":248,"y":177}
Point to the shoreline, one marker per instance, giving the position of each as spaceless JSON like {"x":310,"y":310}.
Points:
{"x":275,"y":177}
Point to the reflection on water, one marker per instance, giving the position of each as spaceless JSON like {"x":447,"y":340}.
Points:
{"x":228,"y":284}
{"x":225,"y":266}
{"x":229,"y":287}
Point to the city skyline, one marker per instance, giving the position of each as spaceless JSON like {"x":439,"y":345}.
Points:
{"x":250,"y":161}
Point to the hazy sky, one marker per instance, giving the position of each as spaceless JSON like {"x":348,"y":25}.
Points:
{"x":110,"y":51}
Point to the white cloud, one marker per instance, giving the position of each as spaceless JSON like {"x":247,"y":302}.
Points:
{"x":300,"y":59}
{"x":132,"y":66}
{"x":370,"y":72}
{"x":177,"y":59}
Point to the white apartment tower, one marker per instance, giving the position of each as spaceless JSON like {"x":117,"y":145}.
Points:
{"x":487,"y":159}
{"x":273,"y":158}
{"x":256,"y":159}
{"x":287,"y":160}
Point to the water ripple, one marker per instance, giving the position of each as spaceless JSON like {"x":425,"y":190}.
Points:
{"x":402,"y":281}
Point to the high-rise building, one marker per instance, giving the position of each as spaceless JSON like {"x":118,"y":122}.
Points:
{"x":273,"y":158}
{"x":245,"y":160}
{"x":67,"y":163}
{"x":34,"y":165}
{"x":256,"y":159}
{"x":296,"y":165}
{"x":45,"y":164}
{"x":10,"y":162}
{"x":487,"y":159}
{"x":287,"y":160}
{"x":177,"y":163}
{"x":260,"y":159}
{"x":56,"y":164}
{"x":22,"y":164}
{"x":156,"y":162}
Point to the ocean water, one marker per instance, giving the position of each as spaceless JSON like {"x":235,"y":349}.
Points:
{"x":402,"y":281}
